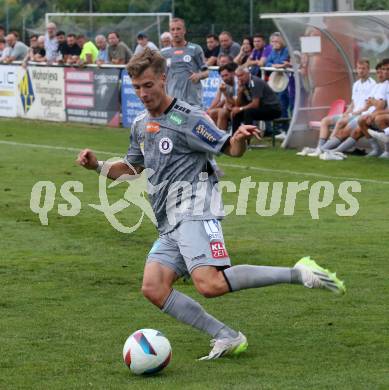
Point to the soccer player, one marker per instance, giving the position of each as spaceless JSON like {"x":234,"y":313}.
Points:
{"x":186,"y":66}
{"x":172,"y":141}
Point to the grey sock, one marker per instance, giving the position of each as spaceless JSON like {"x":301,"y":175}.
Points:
{"x":322,"y":141}
{"x":346,"y":145}
{"x":374,"y":144}
{"x":241,"y":277}
{"x":188,"y":311}
{"x":331,"y":144}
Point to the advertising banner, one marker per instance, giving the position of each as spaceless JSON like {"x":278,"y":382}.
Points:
{"x":91,"y":96}
{"x":131,"y":105}
{"x":210,"y":87}
{"x":8,"y":90}
{"x":41,"y":93}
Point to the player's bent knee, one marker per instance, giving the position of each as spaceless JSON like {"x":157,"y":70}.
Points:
{"x":210,"y":285}
{"x":155,"y":294}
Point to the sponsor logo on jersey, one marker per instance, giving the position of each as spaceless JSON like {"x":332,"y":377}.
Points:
{"x":165,"y":145}
{"x":206,"y":133}
{"x":175,"y":118}
{"x":187,"y":58}
{"x":178,"y":52}
{"x":182,"y":109}
{"x":152,"y":127}
{"x":218,"y":250}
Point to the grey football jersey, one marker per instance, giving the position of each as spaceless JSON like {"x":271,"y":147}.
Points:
{"x":175,"y":149}
{"x":181,"y":63}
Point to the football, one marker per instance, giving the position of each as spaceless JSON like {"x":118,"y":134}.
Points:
{"x":147,"y":351}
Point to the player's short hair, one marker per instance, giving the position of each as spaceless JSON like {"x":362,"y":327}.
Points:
{"x":379,"y":65}
{"x":363,"y":61}
{"x":226,"y":33}
{"x":214,"y":36}
{"x":145,"y":60}
{"x":231,"y":67}
{"x":175,"y":20}
{"x":385,"y":61}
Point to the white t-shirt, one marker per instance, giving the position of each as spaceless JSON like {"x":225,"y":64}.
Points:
{"x":361,"y":92}
{"x":150,"y":45}
{"x":377,"y":93}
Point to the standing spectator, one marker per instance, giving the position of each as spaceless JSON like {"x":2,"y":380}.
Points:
{"x":227,"y":45}
{"x":89,"y":51}
{"x":186,"y":66}
{"x":165,"y":40}
{"x":51,"y":43}
{"x":70,"y":50}
{"x":279,"y":58}
{"x":255,"y":101}
{"x":61,"y":39}
{"x":36,"y":51}
{"x":143,"y":41}
{"x":118,"y":51}
{"x":245,"y":51}
{"x":259,"y":55}
{"x":101,"y":44}
{"x":17,"y":50}
{"x":212,"y":51}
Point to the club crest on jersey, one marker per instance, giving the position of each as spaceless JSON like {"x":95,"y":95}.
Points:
{"x":206,"y":133}
{"x":218,"y":250}
{"x":187,"y":58}
{"x":165,"y":145}
{"x":152,"y":127}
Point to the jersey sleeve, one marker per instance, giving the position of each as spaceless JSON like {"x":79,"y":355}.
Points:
{"x":200,"y":59}
{"x":134,"y":154}
{"x":203,"y":135}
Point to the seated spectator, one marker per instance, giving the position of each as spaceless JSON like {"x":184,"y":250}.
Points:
{"x":227,"y":45}
{"x":118,"y":51}
{"x":89,"y":51}
{"x":51,"y":43}
{"x":224,"y":101}
{"x":17,"y":50}
{"x":143,"y":42}
{"x":36,"y":52}
{"x":101,"y":44}
{"x":70,"y":50}
{"x":259,"y":55}
{"x":279,"y":58}
{"x":165,"y":40}
{"x":61,"y":39}
{"x":255,"y":100}
{"x":224,"y":59}
{"x":245,"y":51}
{"x":212,"y":50}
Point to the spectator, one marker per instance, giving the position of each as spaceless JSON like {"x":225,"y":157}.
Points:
{"x":2,"y":46}
{"x":61,"y":39}
{"x":17,"y":50}
{"x":212,"y":51}
{"x":70,"y":50}
{"x":221,"y":106}
{"x":255,"y":101}
{"x":165,"y":40}
{"x":118,"y":51}
{"x":224,"y":59}
{"x":259,"y":55}
{"x":279,"y":58}
{"x":227,"y":45}
{"x":89,"y":51}
{"x":36,"y":52}
{"x":143,"y":41}
{"x":51,"y":43}
{"x":101,"y":44}
{"x":2,"y":32}
{"x":245,"y":51}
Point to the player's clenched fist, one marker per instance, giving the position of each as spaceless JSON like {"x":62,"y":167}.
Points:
{"x":87,"y":159}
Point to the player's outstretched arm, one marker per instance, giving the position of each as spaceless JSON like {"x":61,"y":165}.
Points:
{"x":238,"y":142}
{"x":88,"y":160}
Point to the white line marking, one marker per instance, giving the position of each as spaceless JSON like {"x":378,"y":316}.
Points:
{"x":269,"y":170}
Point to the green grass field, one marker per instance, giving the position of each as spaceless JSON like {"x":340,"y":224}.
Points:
{"x":70,"y":291}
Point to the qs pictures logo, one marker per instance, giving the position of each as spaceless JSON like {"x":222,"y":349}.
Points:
{"x":26,"y":92}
